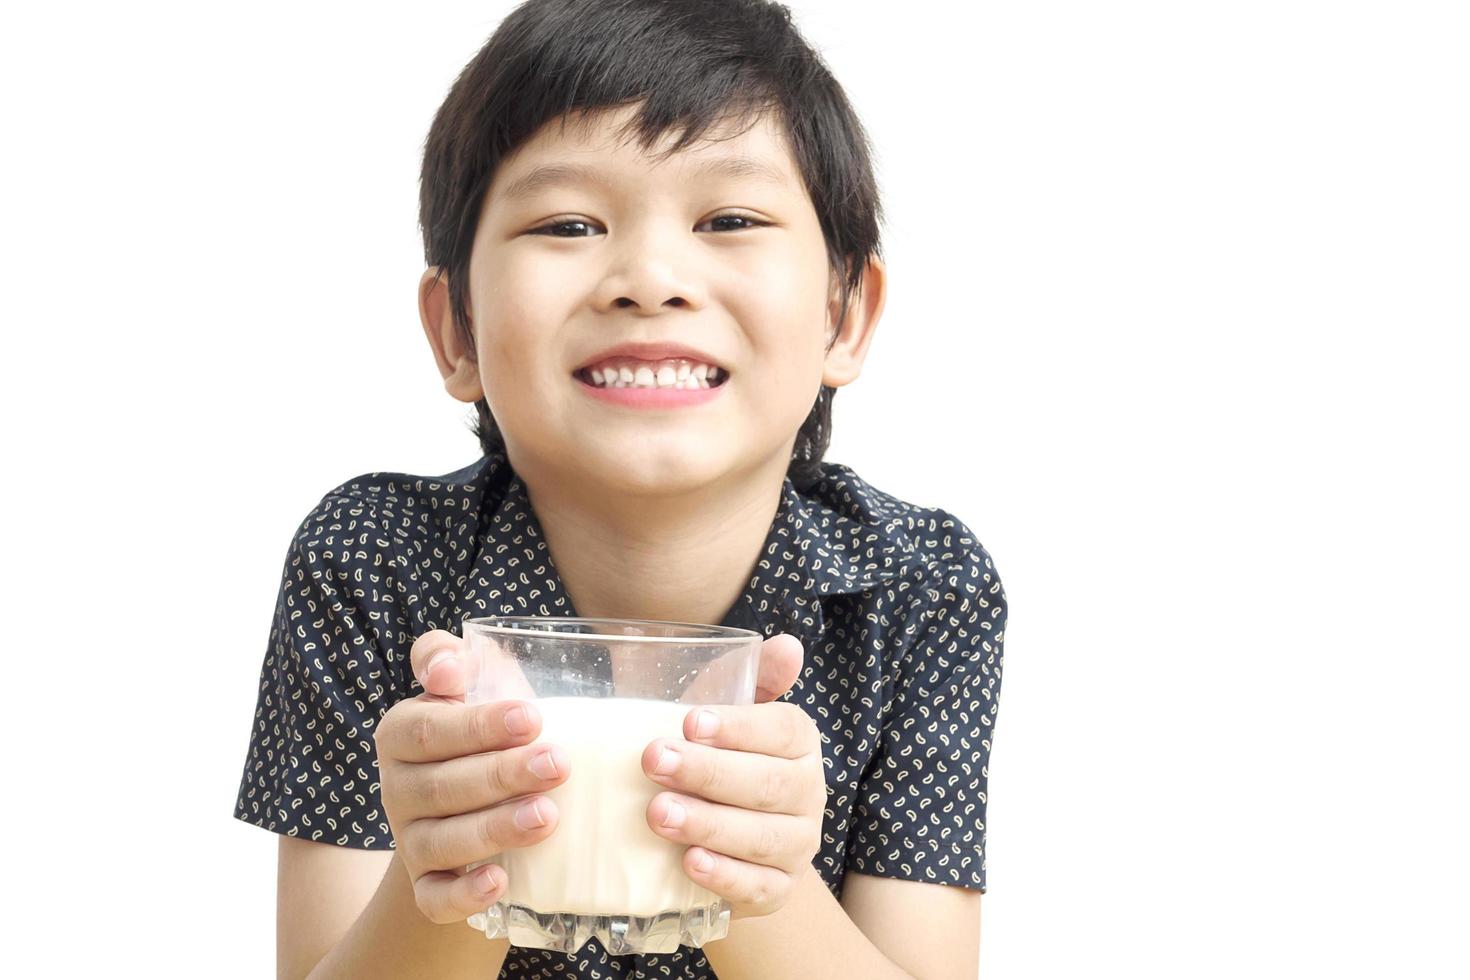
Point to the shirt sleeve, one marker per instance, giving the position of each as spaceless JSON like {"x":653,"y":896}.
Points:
{"x":920,"y":809}
{"x":334,"y":663}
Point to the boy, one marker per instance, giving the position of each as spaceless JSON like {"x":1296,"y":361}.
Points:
{"x":652,"y":232}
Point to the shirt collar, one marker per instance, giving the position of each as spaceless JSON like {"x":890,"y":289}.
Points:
{"x":834,"y":539}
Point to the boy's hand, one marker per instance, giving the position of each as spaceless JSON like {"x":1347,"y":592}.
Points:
{"x":449,"y":772}
{"x":752,"y":793}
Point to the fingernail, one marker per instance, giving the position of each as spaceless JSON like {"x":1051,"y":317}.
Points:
{"x":543,"y":765}
{"x":668,"y":761}
{"x":703,"y":862}
{"x":705,"y":723}
{"x":442,"y":657}
{"x":529,"y":817}
{"x":516,"y":721}
{"x":487,"y":882}
{"x":674,"y":815}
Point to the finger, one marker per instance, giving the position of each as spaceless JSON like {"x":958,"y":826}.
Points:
{"x":754,"y":889}
{"x":445,"y":897}
{"x":780,"y":665}
{"x":744,"y":779}
{"x":779,"y":728}
{"x":774,"y":839}
{"x":490,"y":672}
{"x":424,"y":730}
{"x":474,"y":782}
{"x":438,"y":661}
{"x":453,"y":842}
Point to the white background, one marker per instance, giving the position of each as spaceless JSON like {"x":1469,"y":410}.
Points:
{"x":1177,"y":324}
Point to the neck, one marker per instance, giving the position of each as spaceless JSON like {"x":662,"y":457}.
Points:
{"x":684,"y":559}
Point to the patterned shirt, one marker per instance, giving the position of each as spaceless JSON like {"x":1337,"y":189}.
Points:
{"x":898,"y":607}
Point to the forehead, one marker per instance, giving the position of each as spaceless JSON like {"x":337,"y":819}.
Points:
{"x":598,"y":148}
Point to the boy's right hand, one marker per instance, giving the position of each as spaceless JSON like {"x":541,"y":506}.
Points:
{"x":448,"y":771}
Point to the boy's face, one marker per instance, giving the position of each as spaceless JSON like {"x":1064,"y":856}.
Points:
{"x":650,"y":252}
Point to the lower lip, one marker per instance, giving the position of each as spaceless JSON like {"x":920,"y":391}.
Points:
{"x":653,"y":397}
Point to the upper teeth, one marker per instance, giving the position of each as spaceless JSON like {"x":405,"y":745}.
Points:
{"x":673,"y":373}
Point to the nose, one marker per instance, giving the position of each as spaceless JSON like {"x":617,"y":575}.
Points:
{"x":649,"y":271}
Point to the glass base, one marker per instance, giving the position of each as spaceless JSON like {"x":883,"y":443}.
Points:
{"x":566,"y":932}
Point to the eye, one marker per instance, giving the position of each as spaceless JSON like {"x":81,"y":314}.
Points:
{"x":577,"y":228}
{"x":749,"y":222}
{"x":553,"y":228}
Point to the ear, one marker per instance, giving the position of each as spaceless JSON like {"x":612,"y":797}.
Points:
{"x":850,"y":347}
{"x":456,"y":363}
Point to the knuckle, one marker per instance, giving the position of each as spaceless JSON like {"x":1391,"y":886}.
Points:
{"x":489,"y":829}
{"x":496,"y":780}
{"x":715,"y":836}
{"x":433,"y":848}
{"x":768,"y":844}
{"x":819,"y":795}
{"x":478,"y":727}
{"x":794,"y":726}
{"x":719,"y":837}
{"x":761,"y":894}
{"x":772,"y":789}
{"x":385,"y":732}
{"x":440,"y":792}
{"x":710,"y":779}
{"x":421,"y":733}
{"x":743,"y":728}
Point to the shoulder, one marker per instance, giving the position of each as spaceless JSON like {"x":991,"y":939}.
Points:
{"x":379,"y":556}
{"x":396,"y":544}
{"x":940,"y":547}
{"x":387,"y":509}
{"x":942,"y":563}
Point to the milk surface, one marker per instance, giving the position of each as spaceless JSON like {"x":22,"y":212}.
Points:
{"x":603,"y":858}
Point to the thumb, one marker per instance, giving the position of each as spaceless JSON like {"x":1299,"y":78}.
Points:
{"x":780,"y":665}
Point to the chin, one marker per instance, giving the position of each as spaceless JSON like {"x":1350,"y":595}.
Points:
{"x":672,"y":471}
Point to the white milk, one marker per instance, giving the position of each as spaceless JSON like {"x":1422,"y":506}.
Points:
{"x":603,"y":858}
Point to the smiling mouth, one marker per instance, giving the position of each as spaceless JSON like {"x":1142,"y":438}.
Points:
{"x":675,"y":375}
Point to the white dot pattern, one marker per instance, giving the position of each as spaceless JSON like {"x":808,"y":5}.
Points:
{"x":898,"y":607}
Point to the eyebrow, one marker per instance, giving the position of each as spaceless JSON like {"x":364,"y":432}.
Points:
{"x":553,"y":174}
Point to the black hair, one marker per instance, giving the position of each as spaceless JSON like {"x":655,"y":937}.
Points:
{"x":692,"y":64}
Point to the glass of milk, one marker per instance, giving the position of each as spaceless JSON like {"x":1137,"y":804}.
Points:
{"x":605,"y":689}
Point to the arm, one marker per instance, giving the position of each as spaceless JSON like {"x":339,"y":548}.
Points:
{"x":315,"y":773}
{"x":758,"y":775}
{"x":345,"y":912}
{"x":320,"y":891}
{"x":892,"y":911}
{"x":870,"y":934}
{"x":811,"y":936}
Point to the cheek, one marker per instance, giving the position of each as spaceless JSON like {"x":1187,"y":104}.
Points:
{"x":780,"y":304}
{"x":785,"y":318}
{"x":503,"y":333}
{"x":781,"y":292}
{"x":514,"y":323}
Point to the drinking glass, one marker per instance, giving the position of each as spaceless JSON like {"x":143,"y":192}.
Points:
{"x":605,"y":688}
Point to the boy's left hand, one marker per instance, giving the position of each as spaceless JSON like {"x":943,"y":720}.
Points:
{"x":753,"y":792}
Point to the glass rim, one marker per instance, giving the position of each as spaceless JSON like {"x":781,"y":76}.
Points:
{"x":720,"y":635}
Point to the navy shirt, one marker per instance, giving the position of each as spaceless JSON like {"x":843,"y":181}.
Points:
{"x":898,"y":607}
